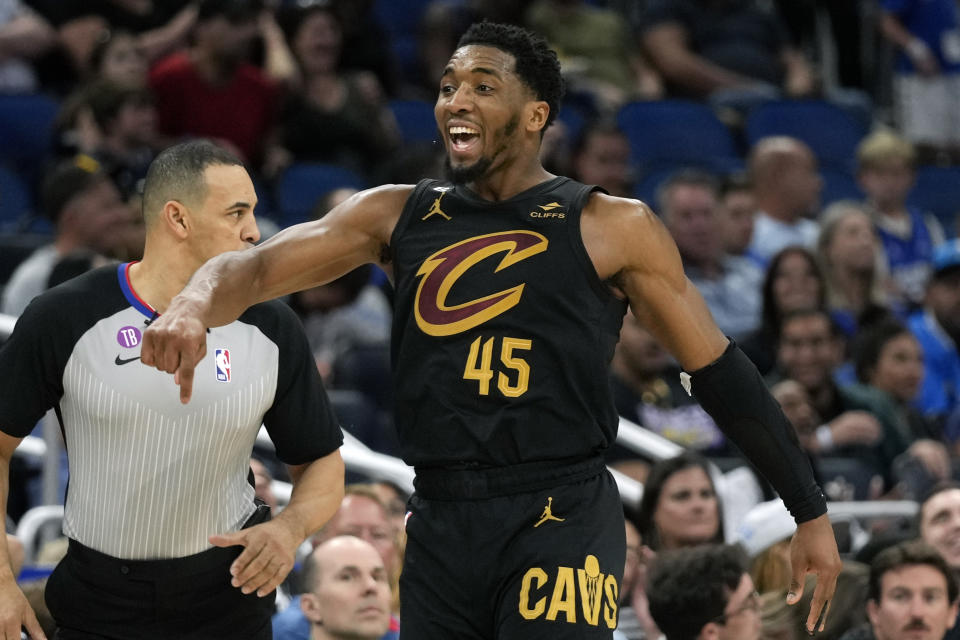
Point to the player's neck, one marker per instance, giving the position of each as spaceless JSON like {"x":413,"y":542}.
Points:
{"x":506,"y":181}
{"x":157,"y":281}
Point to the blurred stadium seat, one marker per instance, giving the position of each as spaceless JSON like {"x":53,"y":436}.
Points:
{"x":938,"y":192}
{"x":831,"y":132}
{"x":678,"y":132}
{"x":302,"y":185}
{"x":415,"y":120}
{"x":838,"y":184}
{"x":16,"y":204}
{"x":26,"y":127}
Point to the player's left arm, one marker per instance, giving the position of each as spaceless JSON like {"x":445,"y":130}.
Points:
{"x":270,"y":547}
{"x":631,"y":249}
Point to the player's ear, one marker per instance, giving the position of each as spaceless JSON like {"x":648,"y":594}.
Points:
{"x":176,"y":217}
{"x":537,"y":112}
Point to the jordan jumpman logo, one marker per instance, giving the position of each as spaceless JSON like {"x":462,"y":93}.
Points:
{"x":435,"y":208}
{"x":548,"y":514}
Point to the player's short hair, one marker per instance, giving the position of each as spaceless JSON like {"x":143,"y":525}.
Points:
{"x":177,"y":173}
{"x":882,"y":147}
{"x":909,"y":553}
{"x":688,"y":588}
{"x":536,"y":63}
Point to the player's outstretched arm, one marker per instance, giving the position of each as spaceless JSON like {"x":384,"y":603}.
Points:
{"x":630,"y":246}
{"x":354,"y":233}
{"x":15,"y":611}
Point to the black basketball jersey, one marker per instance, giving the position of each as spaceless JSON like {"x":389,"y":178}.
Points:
{"x":503,"y":332}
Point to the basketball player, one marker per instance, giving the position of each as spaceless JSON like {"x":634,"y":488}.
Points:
{"x":511,"y":284}
{"x":160,"y":513}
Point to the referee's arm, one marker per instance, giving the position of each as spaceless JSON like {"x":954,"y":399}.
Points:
{"x":15,"y":611}
{"x":269,"y":548}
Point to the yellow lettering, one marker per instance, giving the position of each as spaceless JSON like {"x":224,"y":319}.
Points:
{"x":610,"y":606}
{"x":590,"y":595}
{"x":564,"y":596}
{"x":540,"y":576}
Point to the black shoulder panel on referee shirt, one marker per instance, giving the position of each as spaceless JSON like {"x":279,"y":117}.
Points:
{"x":33,"y":359}
{"x":301,"y":422}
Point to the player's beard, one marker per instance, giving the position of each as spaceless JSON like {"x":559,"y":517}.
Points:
{"x":467,"y":174}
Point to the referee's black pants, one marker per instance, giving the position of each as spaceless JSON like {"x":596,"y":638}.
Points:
{"x":93,"y":596}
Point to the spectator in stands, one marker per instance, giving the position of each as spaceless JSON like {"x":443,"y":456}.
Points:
{"x":739,"y":207}
{"x":926,"y":79}
{"x":331,"y":116}
{"x":888,"y":358}
{"x":634,"y":621}
{"x":937,"y":327}
{"x":912,"y":594}
{"x":364,"y":516}
{"x":347,"y":591}
{"x":120,"y":58}
{"x":849,"y":254}
{"x":210,"y":90}
{"x":734,"y":52}
{"x":601,"y":156}
{"x":938,"y":523}
{"x":647,"y":390}
{"x":597,"y":51}
{"x":88,"y":212}
{"x":688,"y":203}
{"x":702,"y":593}
{"x":858,"y":422}
{"x":793,"y":281}
{"x":125,"y":140}
{"x":886,"y":166}
{"x":24,"y":35}
{"x":679,"y":506}
{"x":787,"y":188}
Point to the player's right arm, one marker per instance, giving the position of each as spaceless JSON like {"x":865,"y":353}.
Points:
{"x":15,"y":611}
{"x":354,"y":233}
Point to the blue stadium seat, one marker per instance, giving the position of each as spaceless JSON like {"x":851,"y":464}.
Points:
{"x":938,"y":192}
{"x":26,"y":128}
{"x":401,"y":20}
{"x":415,"y":120}
{"x":838,"y":184}
{"x":678,"y":132}
{"x":302,"y":185}
{"x":831,"y":132}
{"x":16,"y":204}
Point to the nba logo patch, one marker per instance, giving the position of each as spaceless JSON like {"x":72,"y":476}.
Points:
{"x":222,"y":359}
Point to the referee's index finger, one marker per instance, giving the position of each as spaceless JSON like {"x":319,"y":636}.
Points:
{"x":184,"y":378}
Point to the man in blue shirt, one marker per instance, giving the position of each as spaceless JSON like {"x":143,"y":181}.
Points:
{"x":937,"y":327}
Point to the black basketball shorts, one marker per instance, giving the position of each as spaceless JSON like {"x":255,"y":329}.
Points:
{"x":542,"y":563}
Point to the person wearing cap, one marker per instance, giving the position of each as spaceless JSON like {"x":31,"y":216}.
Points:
{"x":88,"y":213}
{"x":937,"y":327}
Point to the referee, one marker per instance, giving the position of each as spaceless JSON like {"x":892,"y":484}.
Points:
{"x":166,"y":539}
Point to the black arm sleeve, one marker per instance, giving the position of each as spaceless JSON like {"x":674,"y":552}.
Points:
{"x":733,"y":393}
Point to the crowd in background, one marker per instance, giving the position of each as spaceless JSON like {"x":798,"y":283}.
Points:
{"x":822,"y":264}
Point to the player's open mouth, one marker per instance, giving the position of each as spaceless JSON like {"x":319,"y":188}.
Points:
{"x":463,"y":139}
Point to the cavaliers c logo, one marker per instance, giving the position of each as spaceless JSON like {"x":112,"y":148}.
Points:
{"x":441,"y":270}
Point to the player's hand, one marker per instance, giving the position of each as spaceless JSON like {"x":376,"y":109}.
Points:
{"x":175,"y":342}
{"x":267,"y":558}
{"x":814,"y":550}
{"x":15,"y":612}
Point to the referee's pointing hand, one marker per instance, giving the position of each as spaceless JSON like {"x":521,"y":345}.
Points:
{"x":175,"y":342}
